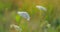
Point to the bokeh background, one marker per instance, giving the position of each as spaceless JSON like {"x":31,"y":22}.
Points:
{"x":38,"y":19}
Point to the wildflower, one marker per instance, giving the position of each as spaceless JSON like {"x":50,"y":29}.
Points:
{"x":48,"y":25}
{"x":25,"y":15}
{"x":41,"y":8}
{"x":16,"y":27}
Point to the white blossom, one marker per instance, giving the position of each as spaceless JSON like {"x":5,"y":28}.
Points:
{"x":24,"y":15}
{"x":41,"y":8}
{"x":48,"y":25}
{"x":18,"y":28}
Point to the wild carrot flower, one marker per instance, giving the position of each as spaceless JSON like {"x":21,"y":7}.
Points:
{"x":48,"y":25}
{"x":41,"y":8}
{"x":24,"y":15}
{"x":18,"y":28}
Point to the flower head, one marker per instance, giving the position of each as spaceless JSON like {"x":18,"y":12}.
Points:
{"x":41,"y":8}
{"x":18,"y":28}
{"x":25,"y":15}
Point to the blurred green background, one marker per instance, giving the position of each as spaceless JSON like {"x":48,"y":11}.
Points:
{"x":39,"y":19}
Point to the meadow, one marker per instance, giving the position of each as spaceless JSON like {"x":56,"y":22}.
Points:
{"x":41,"y":16}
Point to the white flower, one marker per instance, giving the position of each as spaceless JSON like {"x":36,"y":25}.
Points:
{"x":41,"y":8}
{"x":16,"y":27}
{"x":25,"y":15}
{"x":48,"y":25}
